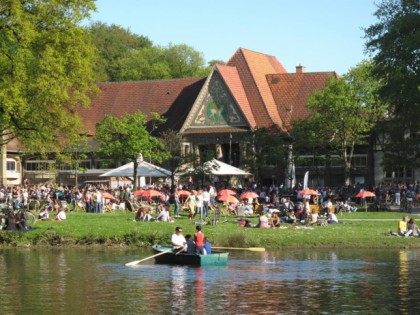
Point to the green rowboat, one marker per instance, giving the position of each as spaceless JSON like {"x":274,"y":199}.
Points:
{"x":166,"y":255}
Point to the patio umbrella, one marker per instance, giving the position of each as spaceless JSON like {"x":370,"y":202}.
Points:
{"x":308,"y":191}
{"x":228,"y":198}
{"x":150,"y":193}
{"x":183,"y":193}
{"x":365,"y":194}
{"x":108,"y":196}
{"x":226,"y":192}
{"x":138,"y":192}
{"x":249,"y":194}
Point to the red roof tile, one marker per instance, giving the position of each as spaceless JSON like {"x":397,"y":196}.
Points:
{"x":291,"y":92}
{"x":253,"y":68}
{"x":172,"y":99}
{"x":231,"y":77}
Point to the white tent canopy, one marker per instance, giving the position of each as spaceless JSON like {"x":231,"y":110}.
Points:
{"x":144,"y":169}
{"x":219,"y":168}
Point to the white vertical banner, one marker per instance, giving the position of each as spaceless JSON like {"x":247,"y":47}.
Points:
{"x":305,"y":180}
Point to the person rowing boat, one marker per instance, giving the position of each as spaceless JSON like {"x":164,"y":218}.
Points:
{"x":178,"y":240}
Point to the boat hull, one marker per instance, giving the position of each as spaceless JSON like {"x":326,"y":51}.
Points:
{"x":216,"y":258}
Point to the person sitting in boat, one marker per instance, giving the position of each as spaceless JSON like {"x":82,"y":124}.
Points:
{"x":178,"y":240}
{"x":207,"y":246}
{"x":199,"y":241}
{"x":190,"y":244}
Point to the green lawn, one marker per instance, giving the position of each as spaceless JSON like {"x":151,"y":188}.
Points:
{"x":361,"y":229}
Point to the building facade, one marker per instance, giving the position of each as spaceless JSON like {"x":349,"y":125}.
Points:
{"x":251,"y":91}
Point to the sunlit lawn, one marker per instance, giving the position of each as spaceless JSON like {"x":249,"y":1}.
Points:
{"x":360,"y":229}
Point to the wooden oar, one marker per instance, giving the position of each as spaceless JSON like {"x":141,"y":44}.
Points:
{"x":132,"y":263}
{"x":252,"y":249}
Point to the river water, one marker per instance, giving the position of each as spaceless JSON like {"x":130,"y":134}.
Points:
{"x":87,"y":281}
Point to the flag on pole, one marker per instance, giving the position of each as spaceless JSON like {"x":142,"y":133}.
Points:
{"x":305,"y":180}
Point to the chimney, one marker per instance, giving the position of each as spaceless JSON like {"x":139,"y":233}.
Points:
{"x":300,"y":69}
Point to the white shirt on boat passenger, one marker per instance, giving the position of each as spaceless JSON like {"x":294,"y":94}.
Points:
{"x":178,"y":240}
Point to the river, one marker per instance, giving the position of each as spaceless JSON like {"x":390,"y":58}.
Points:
{"x":309,"y":281}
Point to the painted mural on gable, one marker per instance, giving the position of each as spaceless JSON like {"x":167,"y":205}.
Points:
{"x":218,"y":107}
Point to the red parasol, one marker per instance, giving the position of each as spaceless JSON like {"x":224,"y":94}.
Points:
{"x":108,"y":196}
{"x":226,"y":192}
{"x":228,"y":198}
{"x":308,"y":191}
{"x":183,"y":193}
{"x":148,"y":193}
{"x":365,"y":194}
{"x":249,"y":194}
{"x":138,"y":192}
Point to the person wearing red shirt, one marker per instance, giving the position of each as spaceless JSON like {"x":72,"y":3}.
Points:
{"x":199,"y":241}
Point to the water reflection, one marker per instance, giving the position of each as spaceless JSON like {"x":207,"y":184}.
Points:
{"x":78,"y":281}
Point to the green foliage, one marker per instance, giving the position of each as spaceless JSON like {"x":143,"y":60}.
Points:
{"x":342,"y":115}
{"x":264,"y":149}
{"x":124,"y":56}
{"x":126,"y":138}
{"x":44,"y":55}
{"x":114,"y":44}
{"x":172,"y":142}
{"x":394,"y":43}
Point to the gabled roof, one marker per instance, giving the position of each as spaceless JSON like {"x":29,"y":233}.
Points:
{"x":291,"y":92}
{"x":253,"y":68}
{"x":231,"y":77}
{"x":169,"y":98}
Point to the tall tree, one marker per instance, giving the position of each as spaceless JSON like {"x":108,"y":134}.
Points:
{"x":45,"y":70}
{"x":344,"y":112}
{"x":394,"y":43}
{"x":172,"y":142}
{"x":114,"y":45}
{"x":126,"y":138}
{"x":264,"y":150}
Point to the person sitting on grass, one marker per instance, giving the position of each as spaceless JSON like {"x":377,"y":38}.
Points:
{"x":263,"y":221}
{"x":314,"y":217}
{"x":402,"y":227}
{"x":289,"y":218}
{"x":248,"y":208}
{"x":275,"y":220}
{"x":163,"y":215}
{"x":332,"y":218}
{"x":61,"y":215}
{"x":44,"y":214}
{"x":412,"y":226}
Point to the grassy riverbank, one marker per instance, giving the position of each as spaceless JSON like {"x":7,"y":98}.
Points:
{"x":359,"y":229}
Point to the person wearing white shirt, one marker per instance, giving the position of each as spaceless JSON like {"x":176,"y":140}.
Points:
{"x":61,"y":216}
{"x":163,"y":216}
{"x":199,"y":203}
{"x":206,"y":202}
{"x":178,"y":240}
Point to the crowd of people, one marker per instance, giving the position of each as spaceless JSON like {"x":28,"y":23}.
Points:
{"x":274,"y":205}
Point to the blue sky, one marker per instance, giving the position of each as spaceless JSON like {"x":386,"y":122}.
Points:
{"x":322,"y":35}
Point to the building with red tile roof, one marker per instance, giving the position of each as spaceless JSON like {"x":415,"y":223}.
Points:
{"x":251,"y":91}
